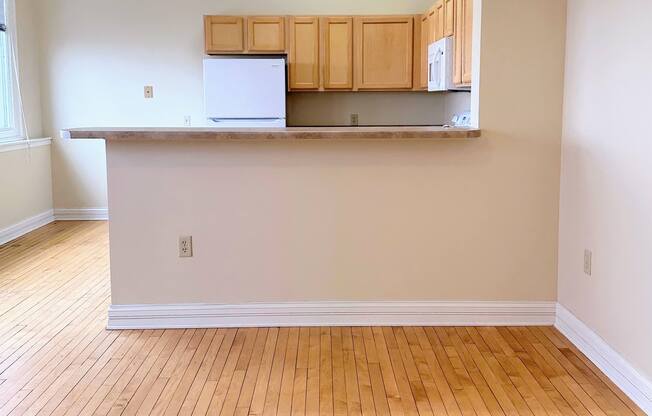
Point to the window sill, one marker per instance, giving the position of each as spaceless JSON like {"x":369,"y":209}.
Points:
{"x":20,"y":144}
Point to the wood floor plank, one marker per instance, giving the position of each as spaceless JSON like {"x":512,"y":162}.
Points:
{"x":57,"y":358}
{"x":350,"y":374}
{"x":260,"y":391}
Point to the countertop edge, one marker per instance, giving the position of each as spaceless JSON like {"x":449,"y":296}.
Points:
{"x":296,"y":134}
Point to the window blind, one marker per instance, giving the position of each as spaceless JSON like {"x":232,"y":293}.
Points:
{"x":3,"y":16}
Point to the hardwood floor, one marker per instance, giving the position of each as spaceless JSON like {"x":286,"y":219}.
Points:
{"x":56,"y":357}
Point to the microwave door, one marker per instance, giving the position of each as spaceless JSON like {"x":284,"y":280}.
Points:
{"x":435,"y":72}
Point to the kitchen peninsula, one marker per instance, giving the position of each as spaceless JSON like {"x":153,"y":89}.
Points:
{"x":312,"y":210}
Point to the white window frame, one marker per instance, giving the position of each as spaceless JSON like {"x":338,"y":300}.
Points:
{"x":16,"y":132}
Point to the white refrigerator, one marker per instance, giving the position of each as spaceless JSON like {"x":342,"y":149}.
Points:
{"x":245,"y":91}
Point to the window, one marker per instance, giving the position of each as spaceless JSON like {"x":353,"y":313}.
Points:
{"x":9,"y":110}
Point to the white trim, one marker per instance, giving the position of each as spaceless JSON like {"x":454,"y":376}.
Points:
{"x":20,"y":144}
{"x":17,"y":130}
{"x":610,"y":362}
{"x":81,"y":214}
{"x":17,"y":230}
{"x":330,"y":314}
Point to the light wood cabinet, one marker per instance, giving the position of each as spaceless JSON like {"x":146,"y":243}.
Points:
{"x":350,"y":53}
{"x":337,"y":52}
{"x":449,"y":18}
{"x":462,"y":68}
{"x":438,"y":18}
{"x":224,"y":34}
{"x":468,"y":42}
{"x":383,"y":52}
{"x":304,"y":53}
{"x":266,"y":34}
{"x":426,"y":33}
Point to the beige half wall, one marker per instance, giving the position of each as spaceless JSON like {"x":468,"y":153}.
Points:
{"x":359,"y":221}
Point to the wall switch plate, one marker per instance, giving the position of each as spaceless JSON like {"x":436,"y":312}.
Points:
{"x":588,"y":259}
{"x":187,"y":121}
{"x":185,"y":246}
{"x":149,"y":91}
{"x":355,"y":119}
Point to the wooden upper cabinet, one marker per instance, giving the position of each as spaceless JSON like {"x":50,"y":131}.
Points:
{"x":426,"y":36}
{"x":337,"y":50}
{"x":266,"y":34}
{"x":468,"y":42}
{"x":462,"y":67}
{"x":440,"y":17}
{"x":449,"y":18}
{"x":383,"y":52}
{"x":224,"y":34}
{"x":304,"y":53}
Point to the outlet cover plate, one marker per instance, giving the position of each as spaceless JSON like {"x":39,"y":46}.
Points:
{"x":588,"y":260}
{"x":185,"y":246}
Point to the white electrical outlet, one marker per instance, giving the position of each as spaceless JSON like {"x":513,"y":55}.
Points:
{"x":149,"y":91}
{"x":185,"y":246}
{"x":588,"y":259}
{"x":355,"y":119}
{"x":187,"y":121}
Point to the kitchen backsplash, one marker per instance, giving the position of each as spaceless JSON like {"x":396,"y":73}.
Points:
{"x":375,"y":108}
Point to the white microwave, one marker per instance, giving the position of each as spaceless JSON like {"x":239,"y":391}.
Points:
{"x":441,"y":55}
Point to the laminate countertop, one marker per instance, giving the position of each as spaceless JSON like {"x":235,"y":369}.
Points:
{"x":271,"y":134}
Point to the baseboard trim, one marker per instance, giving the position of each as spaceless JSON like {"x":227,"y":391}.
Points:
{"x":18,"y":230}
{"x":611,"y":363}
{"x":330,"y":314}
{"x":81,"y":214}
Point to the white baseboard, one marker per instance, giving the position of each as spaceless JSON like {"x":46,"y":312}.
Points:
{"x":81,"y":214}
{"x":612,"y":364}
{"x":17,"y":230}
{"x":330,"y":314}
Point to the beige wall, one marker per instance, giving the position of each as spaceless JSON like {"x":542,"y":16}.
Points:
{"x":29,"y":62}
{"x":25,"y":175}
{"x":97,"y":55}
{"x":468,"y":220}
{"x":606,"y":184}
{"x":25,"y":185}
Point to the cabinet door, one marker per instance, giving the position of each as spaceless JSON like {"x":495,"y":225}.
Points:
{"x":337,"y":46}
{"x":265,"y":34}
{"x":383,"y":52}
{"x":426,"y":35}
{"x":468,"y":42}
{"x":224,"y":34}
{"x":304,"y":53}
{"x":449,"y":18}
{"x":441,"y":19}
{"x":459,"y":42}
{"x":422,"y":59}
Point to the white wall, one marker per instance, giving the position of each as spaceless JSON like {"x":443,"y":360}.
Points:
{"x":25,"y":175}
{"x":97,"y":55}
{"x":606,"y":183}
{"x":29,"y":63}
{"x":25,"y":185}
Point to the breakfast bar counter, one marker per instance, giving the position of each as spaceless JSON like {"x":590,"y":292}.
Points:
{"x":289,"y":133}
{"x":282,"y":215}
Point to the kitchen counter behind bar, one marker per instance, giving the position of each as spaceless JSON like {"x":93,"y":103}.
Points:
{"x":289,"y":133}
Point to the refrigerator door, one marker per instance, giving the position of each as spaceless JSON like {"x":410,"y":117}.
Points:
{"x":244,"y":88}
